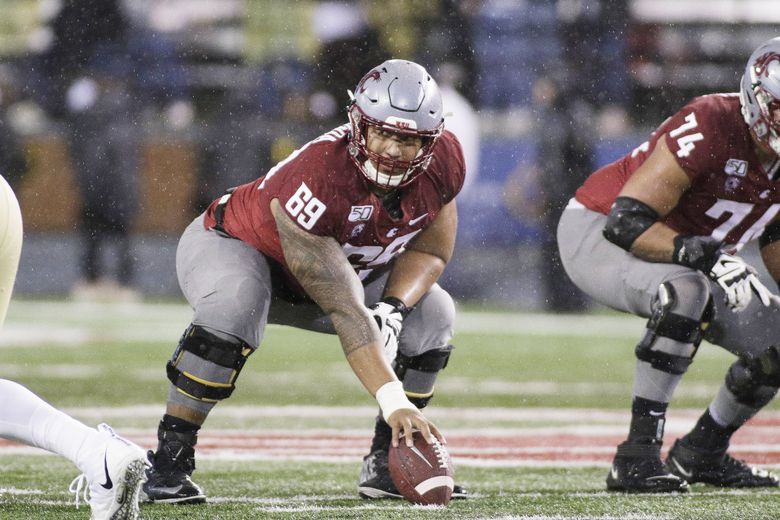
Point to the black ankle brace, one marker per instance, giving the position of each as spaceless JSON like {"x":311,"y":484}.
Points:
{"x":708,"y":435}
{"x":382,"y":435}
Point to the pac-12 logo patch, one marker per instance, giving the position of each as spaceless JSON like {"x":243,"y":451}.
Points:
{"x":736,"y":167}
{"x":359,"y":213}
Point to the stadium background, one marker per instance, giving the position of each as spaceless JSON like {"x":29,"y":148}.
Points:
{"x":228,"y":87}
{"x":532,"y":404}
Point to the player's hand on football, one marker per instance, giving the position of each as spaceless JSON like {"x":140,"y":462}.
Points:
{"x":406,"y":420}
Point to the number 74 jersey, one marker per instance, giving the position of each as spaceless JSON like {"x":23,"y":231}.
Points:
{"x":324,"y":193}
{"x":732,"y":195}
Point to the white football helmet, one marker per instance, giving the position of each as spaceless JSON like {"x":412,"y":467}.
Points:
{"x":759,"y":94}
{"x":398,"y":96}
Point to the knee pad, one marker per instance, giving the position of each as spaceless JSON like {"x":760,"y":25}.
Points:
{"x":766,"y":366}
{"x":675,"y":326}
{"x":418,"y":373}
{"x":754,"y":381}
{"x":206,"y":363}
{"x":763,"y":369}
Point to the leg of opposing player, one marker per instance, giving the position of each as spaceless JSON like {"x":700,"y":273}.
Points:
{"x":417,"y":367}
{"x":10,"y":244}
{"x":113,"y":468}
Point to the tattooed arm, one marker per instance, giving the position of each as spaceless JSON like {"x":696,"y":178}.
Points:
{"x":319,"y":265}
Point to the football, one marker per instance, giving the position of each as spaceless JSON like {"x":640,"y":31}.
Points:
{"x":422,"y":473}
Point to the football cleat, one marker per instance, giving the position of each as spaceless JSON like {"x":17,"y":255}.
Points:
{"x":718,"y":469}
{"x":375,"y":481}
{"x":170,"y":486}
{"x":168,"y":480}
{"x":114,"y":495}
{"x":637,"y":468}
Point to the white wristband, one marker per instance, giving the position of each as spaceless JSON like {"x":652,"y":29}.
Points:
{"x":391,"y":397}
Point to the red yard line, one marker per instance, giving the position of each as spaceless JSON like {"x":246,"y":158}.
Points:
{"x":757,"y":443}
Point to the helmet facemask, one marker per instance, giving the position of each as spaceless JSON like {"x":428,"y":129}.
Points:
{"x":760,"y":96}
{"x":769,"y":119}
{"x":386,"y":172}
{"x":398,"y":97}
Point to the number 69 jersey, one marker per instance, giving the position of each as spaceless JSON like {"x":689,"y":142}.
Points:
{"x":732,"y":195}
{"x":322,"y":190}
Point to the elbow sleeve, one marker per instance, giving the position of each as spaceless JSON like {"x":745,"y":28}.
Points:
{"x":628,"y":219}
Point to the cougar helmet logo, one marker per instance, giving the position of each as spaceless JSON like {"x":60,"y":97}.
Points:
{"x":761,"y":65}
{"x":374,"y":75}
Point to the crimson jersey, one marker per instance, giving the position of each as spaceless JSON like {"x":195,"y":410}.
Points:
{"x":732,"y":195}
{"x":322,"y":190}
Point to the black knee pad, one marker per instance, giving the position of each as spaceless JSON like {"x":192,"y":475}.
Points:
{"x":418,"y":373}
{"x":677,"y":327}
{"x":754,"y":380}
{"x":766,"y":366}
{"x":206,"y":363}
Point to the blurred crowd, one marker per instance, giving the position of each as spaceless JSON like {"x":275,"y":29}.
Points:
{"x":236,"y":85}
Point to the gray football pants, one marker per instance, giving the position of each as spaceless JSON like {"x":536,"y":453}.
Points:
{"x":228,"y":284}
{"x":619,"y":280}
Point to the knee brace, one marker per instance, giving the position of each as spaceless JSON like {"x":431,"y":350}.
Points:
{"x":767,"y":366}
{"x":664,"y":323}
{"x":205,"y":364}
{"x":755,"y":380}
{"x":418,"y":373}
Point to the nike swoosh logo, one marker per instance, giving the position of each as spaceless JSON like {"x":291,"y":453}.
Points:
{"x":417,"y":452}
{"x":418,"y":219}
{"x":169,"y":490}
{"x":686,"y":474}
{"x":614,"y":473}
{"x":108,"y":484}
{"x":656,"y":414}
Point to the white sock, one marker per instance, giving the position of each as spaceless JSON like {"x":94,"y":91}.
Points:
{"x":26,"y":418}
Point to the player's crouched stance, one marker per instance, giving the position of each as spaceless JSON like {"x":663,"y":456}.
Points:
{"x":655,"y":234}
{"x":347,"y":235}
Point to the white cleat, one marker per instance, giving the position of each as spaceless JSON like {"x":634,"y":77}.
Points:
{"x":114,"y":496}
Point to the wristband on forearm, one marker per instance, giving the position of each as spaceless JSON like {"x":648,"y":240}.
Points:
{"x":397,"y":304}
{"x":698,"y":252}
{"x":391,"y":398}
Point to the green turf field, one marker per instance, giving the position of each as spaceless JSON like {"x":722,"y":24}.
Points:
{"x":515,"y":387}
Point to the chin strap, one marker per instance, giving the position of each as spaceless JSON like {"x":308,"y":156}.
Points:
{"x":383,"y":179}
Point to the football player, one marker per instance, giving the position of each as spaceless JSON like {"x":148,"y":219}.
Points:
{"x":656,"y":234}
{"x":113,"y":467}
{"x":347,"y":235}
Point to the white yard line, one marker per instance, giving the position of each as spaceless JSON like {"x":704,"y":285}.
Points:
{"x":545,"y":415}
{"x":69,"y":323}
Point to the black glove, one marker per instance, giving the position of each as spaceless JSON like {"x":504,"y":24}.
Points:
{"x":737,"y":279}
{"x":697,"y":252}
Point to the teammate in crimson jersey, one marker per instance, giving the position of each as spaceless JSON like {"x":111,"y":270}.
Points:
{"x":348,"y":235}
{"x":656,"y":234}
